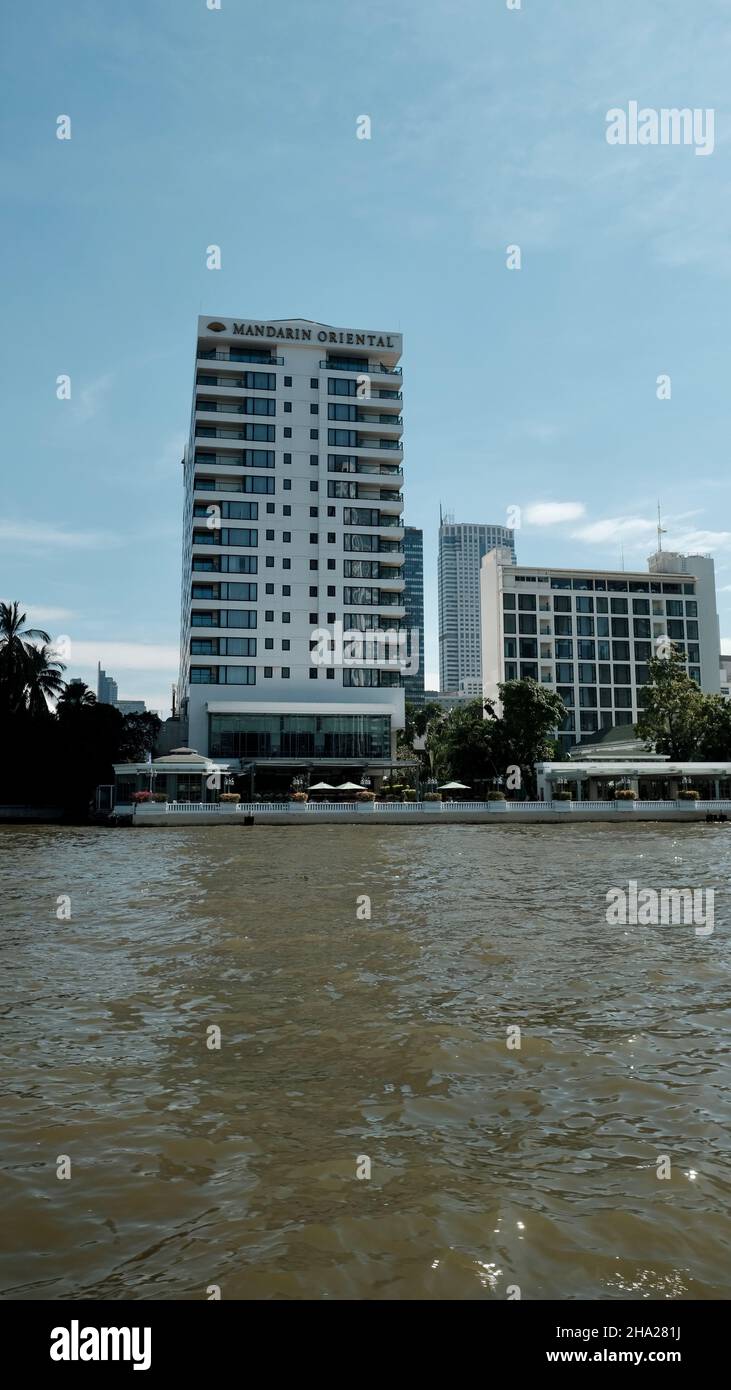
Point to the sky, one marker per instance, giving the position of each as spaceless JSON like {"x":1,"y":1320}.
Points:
{"x":533,"y":388}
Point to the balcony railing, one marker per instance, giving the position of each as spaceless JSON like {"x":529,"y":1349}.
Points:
{"x":388,"y":395}
{"x":364,"y":442}
{"x":366,"y":468}
{"x":378,"y":419}
{"x":217,"y":356}
{"x":372,"y":368}
{"x":221,"y":407}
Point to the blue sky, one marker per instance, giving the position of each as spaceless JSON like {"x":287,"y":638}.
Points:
{"x":237,"y":127}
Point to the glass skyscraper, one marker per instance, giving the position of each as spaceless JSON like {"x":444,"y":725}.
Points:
{"x":413,"y":573}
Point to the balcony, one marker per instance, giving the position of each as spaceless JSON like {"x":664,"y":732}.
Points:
{"x":218,"y":356}
{"x":363,"y":368}
{"x":360,"y":467}
{"x":365,"y":419}
{"x":387,"y":395}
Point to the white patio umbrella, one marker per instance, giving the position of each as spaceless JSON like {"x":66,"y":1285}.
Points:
{"x":322,"y":787}
{"x":454,"y":787}
{"x":348,"y":787}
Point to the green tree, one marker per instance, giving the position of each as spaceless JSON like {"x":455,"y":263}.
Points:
{"x":140,"y":733}
{"x":715,"y":739}
{"x":673,"y":714}
{"x":462,"y":745}
{"x":43,"y":680}
{"x":17,"y":644}
{"x":524,"y":731}
{"x":76,"y":696}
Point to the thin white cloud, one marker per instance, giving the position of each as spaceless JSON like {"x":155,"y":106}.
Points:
{"x":639,"y":532}
{"x":40,"y":533}
{"x":42,"y":613}
{"x":125,"y":656}
{"x":91,"y":397}
{"x":552,"y":513}
{"x":615,"y":528}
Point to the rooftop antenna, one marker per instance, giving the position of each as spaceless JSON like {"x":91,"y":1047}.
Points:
{"x":621,"y":555}
{"x":661,"y":530}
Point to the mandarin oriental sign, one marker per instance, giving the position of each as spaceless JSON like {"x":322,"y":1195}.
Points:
{"x":309,"y":335}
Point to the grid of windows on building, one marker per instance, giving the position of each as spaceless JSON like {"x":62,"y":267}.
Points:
{"x":591,"y":639}
{"x":287,"y":523}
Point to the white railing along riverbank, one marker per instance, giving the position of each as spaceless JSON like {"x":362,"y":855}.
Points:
{"x":186,"y":812}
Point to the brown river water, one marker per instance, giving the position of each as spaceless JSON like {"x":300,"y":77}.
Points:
{"x":342,"y":1038}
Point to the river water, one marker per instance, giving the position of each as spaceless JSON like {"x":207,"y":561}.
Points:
{"x":349,"y":1042}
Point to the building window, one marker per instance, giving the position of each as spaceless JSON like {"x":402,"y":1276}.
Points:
{"x":287,"y":537}
{"x":313,"y":617}
{"x":314,"y":564}
{"x":314,"y":485}
{"x":331,"y":537}
{"x":314,"y":410}
{"x":331,"y":564}
{"x":287,"y":435}
{"x":286,"y":510}
{"x":288,"y":407}
{"x":285,"y":617}
{"x":287,"y":458}
{"x":286,"y":563}
{"x":286,"y":590}
{"x":330,"y":673}
{"x":268,"y":672}
{"x":332,"y":511}
{"x":288,"y":381}
{"x":313,"y":673}
{"x":270,"y":509}
{"x":269,"y":644}
{"x":269,"y":615}
{"x":285,"y":673}
{"x":331,"y":591}
{"x":313,"y":591}
{"x":269,"y":588}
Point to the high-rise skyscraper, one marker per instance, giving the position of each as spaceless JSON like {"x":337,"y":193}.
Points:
{"x":461,"y":548}
{"x":414,"y":598}
{"x":292,"y":527}
{"x":106,"y":687}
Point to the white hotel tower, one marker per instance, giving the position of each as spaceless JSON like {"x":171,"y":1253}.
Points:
{"x":293,"y":502}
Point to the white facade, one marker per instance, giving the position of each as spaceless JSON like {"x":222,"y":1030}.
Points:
{"x":589,"y":634}
{"x":293,"y":502}
{"x":461,"y":549}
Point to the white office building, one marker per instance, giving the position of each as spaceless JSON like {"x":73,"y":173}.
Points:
{"x":461,"y":549}
{"x":589,"y":634}
{"x":293,"y":502}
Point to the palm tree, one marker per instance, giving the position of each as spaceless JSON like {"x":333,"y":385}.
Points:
{"x":76,"y":695}
{"x":17,"y":643}
{"x":43,"y":680}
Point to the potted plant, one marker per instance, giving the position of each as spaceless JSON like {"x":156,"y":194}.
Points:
{"x":432,"y":796}
{"x":159,"y":796}
{"x":688,"y":794}
{"x":365,"y":796}
{"x":299,"y":797}
{"x":140,"y":798}
{"x":230,"y":797}
{"x":625,"y":794}
{"x":562,"y":794}
{"x":495,"y":795}
{"x":409,"y":794}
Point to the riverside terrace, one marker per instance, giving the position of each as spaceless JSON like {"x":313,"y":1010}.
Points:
{"x":189,"y":785}
{"x":499,"y":812}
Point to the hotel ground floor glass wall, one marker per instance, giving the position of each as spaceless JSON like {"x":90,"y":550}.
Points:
{"x":299,"y":736}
